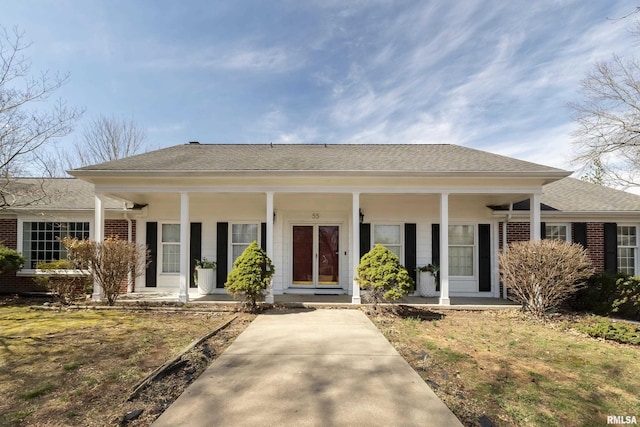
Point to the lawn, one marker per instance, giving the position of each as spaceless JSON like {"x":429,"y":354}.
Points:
{"x":77,"y":367}
{"x":504,"y":368}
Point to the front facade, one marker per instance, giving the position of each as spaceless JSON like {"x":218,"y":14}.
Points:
{"x":316,"y":209}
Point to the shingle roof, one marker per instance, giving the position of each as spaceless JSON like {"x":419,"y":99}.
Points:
{"x":57,"y":194}
{"x":417,"y":158}
{"x":575,"y":195}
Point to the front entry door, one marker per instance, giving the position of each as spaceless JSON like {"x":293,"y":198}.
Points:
{"x":316,"y":255}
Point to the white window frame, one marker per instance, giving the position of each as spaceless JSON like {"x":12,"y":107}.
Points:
{"x":474,"y":246}
{"x":232,"y":244}
{"x":566,"y":225}
{"x":635,"y":248}
{"x":20,"y":247}
{"x":400,"y":245}
{"x":161,"y":245}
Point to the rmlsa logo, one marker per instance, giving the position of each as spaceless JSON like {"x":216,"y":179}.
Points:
{"x":621,"y":419}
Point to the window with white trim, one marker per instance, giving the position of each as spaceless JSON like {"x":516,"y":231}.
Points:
{"x":389,"y":236}
{"x":41,"y":240}
{"x":241,"y":237}
{"x":170,"y":242}
{"x":556,"y":231}
{"x":627,"y":249}
{"x":462,"y":243}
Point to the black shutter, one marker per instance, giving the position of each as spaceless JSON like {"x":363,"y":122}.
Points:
{"x":580,"y":233}
{"x":195,"y":249}
{"x":222,"y":240}
{"x":263,"y":236}
{"x":435,"y":250}
{"x":484,"y":257}
{"x":410,"y":245}
{"x":150,"y":277}
{"x":543,"y":230}
{"x":611,"y":247}
{"x":365,"y":239}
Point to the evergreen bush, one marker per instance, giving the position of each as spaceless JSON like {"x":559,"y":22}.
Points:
{"x":10,"y":260}
{"x":250,"y":276}
{"x":382,"y":276}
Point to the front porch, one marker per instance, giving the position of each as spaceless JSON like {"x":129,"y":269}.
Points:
{"x":322,"y":301}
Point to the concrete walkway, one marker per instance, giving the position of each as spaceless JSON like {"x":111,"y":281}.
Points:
{"x":309,"y":368}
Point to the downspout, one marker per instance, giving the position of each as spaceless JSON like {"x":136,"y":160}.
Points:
{"x":130,"y":286}
{"x":507,"y":218}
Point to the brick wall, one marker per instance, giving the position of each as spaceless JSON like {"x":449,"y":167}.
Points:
{"x":516,"y":232}
{"x":595,"y":244}
{"x":120,"y":228}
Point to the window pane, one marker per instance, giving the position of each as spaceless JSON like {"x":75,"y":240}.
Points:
{"x":558,"y":232}
{"x":626,"y":260}
{"x":626,"y":236}
{"x":396,"y":249}
{"x":244,"y":233}
{"x":461,"y":261}
{"x":41,"y":240}
{"x":461,"y":235}
{"x":237,"y":251}
{"x":171,"y":233}
{"x":386,"y":235}
{"x":170,"y":258}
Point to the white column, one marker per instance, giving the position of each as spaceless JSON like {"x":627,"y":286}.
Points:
{"x":534,"y":212}
{"x":98,"y":236}
{"x":444,"y":249}
{"x":355,"y":247}
{"x":269,"y":297}
{"x":183,"y":295}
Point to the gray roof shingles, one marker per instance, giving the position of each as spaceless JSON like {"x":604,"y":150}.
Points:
{"x":417,"y":158}
{"x":574,"y":195}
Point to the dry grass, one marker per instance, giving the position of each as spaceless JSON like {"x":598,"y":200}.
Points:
{"x":505,"y":368}
{"x":71,"y":367}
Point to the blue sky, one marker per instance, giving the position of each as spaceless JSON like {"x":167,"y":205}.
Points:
{"x":494,"y":75}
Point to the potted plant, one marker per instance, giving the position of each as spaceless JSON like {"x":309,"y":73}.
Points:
{"x":204,"y":275}
{"x":429,"y":287}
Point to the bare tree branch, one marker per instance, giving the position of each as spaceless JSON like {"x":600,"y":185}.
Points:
{"x":108,"y":138}
{"x":25,"y":127}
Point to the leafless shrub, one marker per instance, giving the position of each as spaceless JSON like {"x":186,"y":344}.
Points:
{"x":110,"y":262}
{"x":542,"y":274}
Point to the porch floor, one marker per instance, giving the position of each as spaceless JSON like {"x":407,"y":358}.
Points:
{"x":311,"y":300}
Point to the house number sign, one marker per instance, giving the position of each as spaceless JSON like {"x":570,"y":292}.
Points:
{"x":315,"y":215}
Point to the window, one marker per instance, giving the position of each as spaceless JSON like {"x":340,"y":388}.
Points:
{"x":389,"y":236}
{"x":241,"y":236}
{"x":41,"y":240}
{"x":461,"y":250}
{"x":171,"y":248}
{"x":556,"y":231}
{"x":627,"y":245}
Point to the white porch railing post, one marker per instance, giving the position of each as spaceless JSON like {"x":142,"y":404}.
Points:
{"x":355,"y":247}
{"x":269,"y":299}
{"x":534,"y":212}
{"x":444,"y":249}
{"x":98,"y":236}
{"x":183,"y":295}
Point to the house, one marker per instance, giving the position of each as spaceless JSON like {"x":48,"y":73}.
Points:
{"x":317,"y":208}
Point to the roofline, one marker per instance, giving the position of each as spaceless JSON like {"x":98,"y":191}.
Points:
{"x":560,"y":214}
{"x":557,"y":173}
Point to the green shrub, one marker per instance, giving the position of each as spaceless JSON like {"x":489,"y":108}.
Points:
{"x":382,"y":276}
{"x":10,"y":260}
{"x":543,"y":274}
{"x":610,"y":295}
{"x":250,"y":276}
{"x":626,"y":303}
{"x":614,"y":331}
{"x":63,"y":284}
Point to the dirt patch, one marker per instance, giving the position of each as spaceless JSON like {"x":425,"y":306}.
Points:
{"x":154,"y":399}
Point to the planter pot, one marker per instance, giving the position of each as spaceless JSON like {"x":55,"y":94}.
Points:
{"x":206,"y":280}
{"x":427,"y":284}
